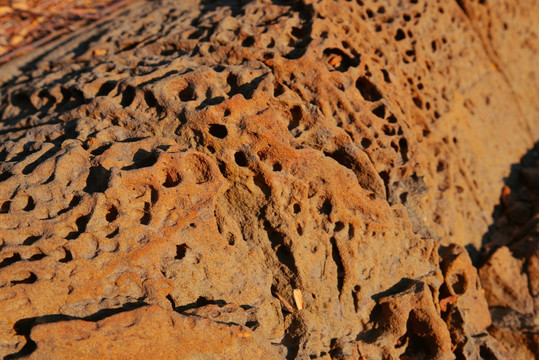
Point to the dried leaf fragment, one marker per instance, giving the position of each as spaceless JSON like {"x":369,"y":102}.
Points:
{"x":298,"y":298}
{"x":100,"y":52}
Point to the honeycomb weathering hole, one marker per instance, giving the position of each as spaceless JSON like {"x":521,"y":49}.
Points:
{"x":4,"y":208}
{"x":365,"y":143}
{"x":296,"y":115}
{"x":187,"y":94}
{"x":112,"y":214}
{"x":181,"y":251}
{"x":459,"y":283}
{"x":172,"y":179}
{"x":367,"y":89}
{"x":219,"y":131}
{"x":97,"y":180}
{"x":241,"y":159}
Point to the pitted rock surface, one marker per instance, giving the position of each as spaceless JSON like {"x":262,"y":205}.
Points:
{"x":185,"y":172}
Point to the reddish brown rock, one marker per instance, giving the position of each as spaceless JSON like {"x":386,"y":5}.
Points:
{"x":505,"y":284}
{"x":407,"y":324}
{"x":467,"y":316}
{"x":149,"y":332}
{"x":510,"y":273}
{"x":223,"y":157}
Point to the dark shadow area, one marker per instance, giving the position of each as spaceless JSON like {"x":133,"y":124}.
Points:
{"x":247,"y":90}
{"x":98,"y":179}
{"x":201,"y":301}
{"x":515,"y":217}
{"x":24,"y":326}
{"x":209,"y":5}
{"x":142,"y":159}
{"x":402,"y":285}
{"x":281,"y":246}
{"x":303,"y":33}
{"x":345,"y":61}
{"x":293,"y":335}
{"x":46,"y":155}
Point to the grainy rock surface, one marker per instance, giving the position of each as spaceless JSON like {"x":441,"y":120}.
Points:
{"x":269,"y":179}
{"x":509,"y":262}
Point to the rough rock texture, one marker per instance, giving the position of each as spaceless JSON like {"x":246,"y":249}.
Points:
{"x":265,"y":179}
{"x":509,"y":265}
{"x":150,"y":332}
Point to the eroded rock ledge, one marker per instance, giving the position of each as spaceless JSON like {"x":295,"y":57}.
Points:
{"x":266,"y":179}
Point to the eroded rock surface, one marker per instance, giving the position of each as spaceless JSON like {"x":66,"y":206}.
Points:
{"x":264,"y":179}
{"x":509,"y":267}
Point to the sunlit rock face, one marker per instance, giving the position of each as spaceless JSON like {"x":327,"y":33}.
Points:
{"x":264,"y":179}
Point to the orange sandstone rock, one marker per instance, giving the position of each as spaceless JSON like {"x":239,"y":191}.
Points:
{"x":218,"y":157}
